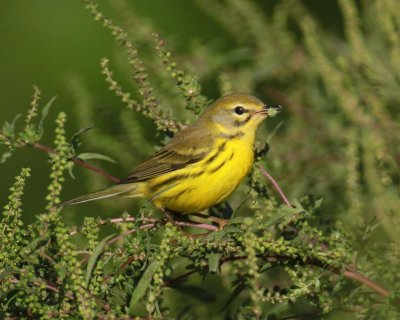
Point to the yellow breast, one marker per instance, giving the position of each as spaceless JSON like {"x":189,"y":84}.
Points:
{"x":207,"y":182}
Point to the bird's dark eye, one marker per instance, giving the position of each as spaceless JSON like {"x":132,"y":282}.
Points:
{"x":239,"y":110}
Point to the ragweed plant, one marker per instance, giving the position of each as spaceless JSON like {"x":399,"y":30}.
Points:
{"x":276,"y":258}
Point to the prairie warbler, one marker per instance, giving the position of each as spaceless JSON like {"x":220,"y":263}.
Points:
{"x":202,"y":165}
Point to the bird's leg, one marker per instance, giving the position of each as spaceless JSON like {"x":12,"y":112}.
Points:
{"x":171,"y":218}
{"x":219,"y":221}
{"x":169,"y":215}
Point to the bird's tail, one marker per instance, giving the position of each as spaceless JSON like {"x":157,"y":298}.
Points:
{"x":117,"y":190}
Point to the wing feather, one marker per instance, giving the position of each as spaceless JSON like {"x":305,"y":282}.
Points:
{"x":178,"y":154}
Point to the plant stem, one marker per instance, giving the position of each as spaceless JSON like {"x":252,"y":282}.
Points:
{"x":359,"y":277}
{"x":145,"y":226}
{"x":80,"y":163}
{"x":349,"y":272}
{"x":276,"y":185}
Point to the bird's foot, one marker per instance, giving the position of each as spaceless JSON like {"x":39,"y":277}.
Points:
{"x":170,"y":217}
{"x":220,"y":222}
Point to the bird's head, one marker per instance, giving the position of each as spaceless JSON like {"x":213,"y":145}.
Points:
{"x":238,"y":113}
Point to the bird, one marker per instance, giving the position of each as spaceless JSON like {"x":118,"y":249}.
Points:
{"x":202,"y":164}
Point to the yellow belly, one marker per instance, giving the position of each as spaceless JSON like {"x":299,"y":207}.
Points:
{"x":210,"y":182}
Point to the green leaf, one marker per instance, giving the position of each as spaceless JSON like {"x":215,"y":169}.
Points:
{"x":226,"y":231}
{"x":44,"y":114}
{"x":318,"y":203}
{"x":143,"y":284}
{"x":237,"y":220}
{"x":280,"y":216}
{"x":310,"y":202}
{"x":196,"y":292}
{"x":91,"y":155}
{"x":298,"y":205}
{"x":75,"y":138}
{"x":213,"y":262}
{"x":34,"y":243}
{"x":6,"y":272}
{"x":238,"y":289}
{"x":11,"y":299}
{"x":9,"y":128}
{"x":5,"y":156}
{"x":80,"y":132}
{"x":278,"y":309}
{"x":94,"y":257}
{"x":265,"y":266}
{"x":70,"y":166}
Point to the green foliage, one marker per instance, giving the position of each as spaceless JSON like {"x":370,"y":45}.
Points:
{"x":340,"y":139}
{"x":30,"y":134}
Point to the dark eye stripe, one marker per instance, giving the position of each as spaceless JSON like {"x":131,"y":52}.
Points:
{"x":242,"y":122}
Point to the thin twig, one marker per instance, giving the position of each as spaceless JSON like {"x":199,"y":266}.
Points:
{"x":48,"y":286}
{"x":79,"y":163}
{"x":197,"y":225}
{"x":359,"y":277}
{"x":154,"y":221}
{"x":276,"y":185}
{"x":349,"y":273}
{"x":151,"y":225}
{"x":173,"y":281}
{"x":126,"y":219}
{"x":145,"y":226}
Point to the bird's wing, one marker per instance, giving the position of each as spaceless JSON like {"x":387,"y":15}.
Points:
{"x":187,"y":148}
